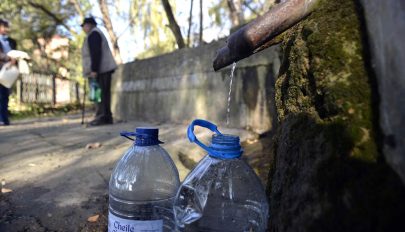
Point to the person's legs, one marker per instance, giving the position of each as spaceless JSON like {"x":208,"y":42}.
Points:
{"x":103,"y":114}
{"x":99,"y":112}
{"x":4,"y":92}
{"x":105,"y":80}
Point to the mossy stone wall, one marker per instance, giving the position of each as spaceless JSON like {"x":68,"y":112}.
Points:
{"x":329,"y":172}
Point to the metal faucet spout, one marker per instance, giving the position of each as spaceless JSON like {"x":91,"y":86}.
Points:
{"x":260,"y":33}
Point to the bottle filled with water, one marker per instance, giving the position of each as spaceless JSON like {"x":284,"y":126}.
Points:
{"x":222,"y":193}
{"x":142,"y":186}
{"x":95,"y":91}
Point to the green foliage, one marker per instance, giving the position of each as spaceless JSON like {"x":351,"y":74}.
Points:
{"x":150,"y":17}
{"x":35,"y":20}
{"x":251,"y":9}
{"x":219,"y":12}
{"x":43,"y":110}
{"x":325,"y":74}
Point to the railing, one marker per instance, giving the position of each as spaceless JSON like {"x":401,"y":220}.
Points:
{"x":47,"y":89}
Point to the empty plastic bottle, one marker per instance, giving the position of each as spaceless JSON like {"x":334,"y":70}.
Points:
{"x":142,"y":186}
{"x":222,"y":193}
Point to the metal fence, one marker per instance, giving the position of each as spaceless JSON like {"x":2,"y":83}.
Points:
{"x":41,"y":88}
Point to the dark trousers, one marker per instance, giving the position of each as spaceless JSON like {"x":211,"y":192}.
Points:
{"x":103,"y":108}
{"x":4,"y":93}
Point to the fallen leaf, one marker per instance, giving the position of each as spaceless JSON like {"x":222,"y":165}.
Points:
{"x":251,"y":141}
{"x":93,"y":145}
{"x":6,"y":190}
{"x":93,"y":218}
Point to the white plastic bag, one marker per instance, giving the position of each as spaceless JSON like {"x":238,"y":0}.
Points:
{"x":22,"y":58}
{"x":23,"y":67}
{"x":8,"y":74}
{"x":16,"y":54}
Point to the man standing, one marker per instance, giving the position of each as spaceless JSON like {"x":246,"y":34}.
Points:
{"x":98,"y":62}
{"x":6,"y":44}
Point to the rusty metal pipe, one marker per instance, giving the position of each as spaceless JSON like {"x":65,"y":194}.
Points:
{"x":258,"y":34}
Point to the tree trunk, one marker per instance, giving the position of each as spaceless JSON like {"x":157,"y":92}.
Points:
{"x":174,"y":27}
{"x":190,"y":21}
{"x":235,"y":11}
{"x":108,"y":25}
{"x":201,"y":21}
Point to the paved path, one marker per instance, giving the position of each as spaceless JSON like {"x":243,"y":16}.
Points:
{"x":57,"y":183}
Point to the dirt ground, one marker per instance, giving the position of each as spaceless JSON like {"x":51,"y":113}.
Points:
{"x":54,"y":172}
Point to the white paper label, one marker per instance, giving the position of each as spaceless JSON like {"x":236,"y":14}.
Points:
{"x":117,"y":224}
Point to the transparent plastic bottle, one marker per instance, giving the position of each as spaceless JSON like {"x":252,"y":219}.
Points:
{"x":222,"y":193}
{"x":142,"y":186}
{"x":95,"y":91}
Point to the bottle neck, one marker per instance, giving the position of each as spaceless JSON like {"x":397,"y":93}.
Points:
{"x":144,"y":141}
{"x":225,"y":146}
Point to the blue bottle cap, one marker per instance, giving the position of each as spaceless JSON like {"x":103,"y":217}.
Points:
{"x":225,"y":146}
{"x":147,"y":136}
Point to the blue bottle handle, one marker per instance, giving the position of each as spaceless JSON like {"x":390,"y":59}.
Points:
{"x":202,"y":123}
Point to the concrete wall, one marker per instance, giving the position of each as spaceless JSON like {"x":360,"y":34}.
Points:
{"x":386,"y":30}
{"x":181,"y":86}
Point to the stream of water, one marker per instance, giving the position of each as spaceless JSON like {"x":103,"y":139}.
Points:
{"x":228,"y":109}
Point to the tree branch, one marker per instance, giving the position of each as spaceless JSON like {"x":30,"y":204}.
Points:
{"x":190,"y":21}
{"x":57,"y":20}
{"x":108,"y":25}
{"x":201,"y":22}
{"x":245,"y":3}
{"x":174,"y":27}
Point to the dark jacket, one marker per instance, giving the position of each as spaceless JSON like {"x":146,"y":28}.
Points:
{"x":3,"y":56}
{"x":12,"y":42}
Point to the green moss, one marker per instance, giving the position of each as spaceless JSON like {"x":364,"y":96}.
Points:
{"x":324,"y":73}
{"x":326,"y":157}
{"x":317,"y":179}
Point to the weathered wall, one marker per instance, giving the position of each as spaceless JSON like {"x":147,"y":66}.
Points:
{"x":329,"y":172}
{"x":182,"y":86}
{"x":386,"y":30}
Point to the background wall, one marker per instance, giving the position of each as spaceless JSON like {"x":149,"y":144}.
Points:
{"x":182,"y":86}
{"x":386,"y":31}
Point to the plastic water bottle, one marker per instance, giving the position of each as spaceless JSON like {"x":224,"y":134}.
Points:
{"x":222,"y":193}
{"x":95,"y":91}
{"x":142,"y":186}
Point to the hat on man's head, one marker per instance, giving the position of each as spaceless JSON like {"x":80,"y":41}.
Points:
{"x":89,"y":20}
{"x":4,"y":22}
